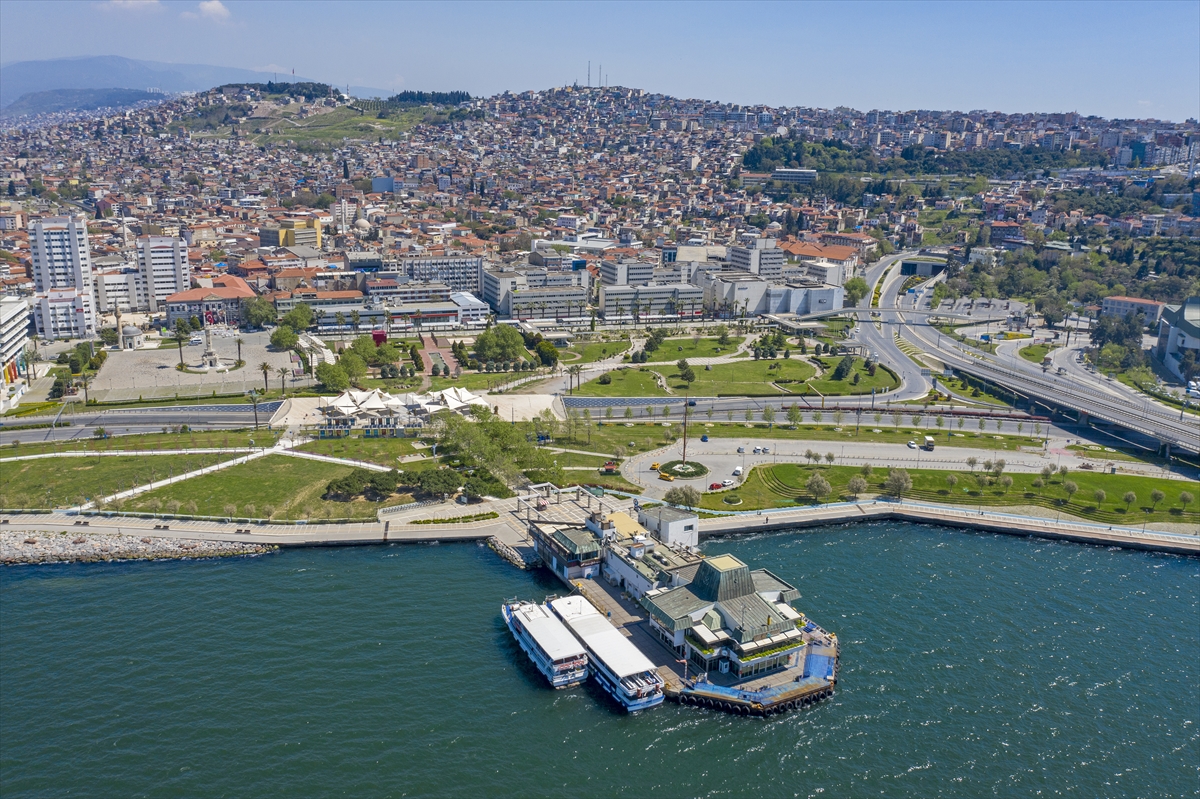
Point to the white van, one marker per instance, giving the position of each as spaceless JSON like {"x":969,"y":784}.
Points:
{"x":737,"y":472}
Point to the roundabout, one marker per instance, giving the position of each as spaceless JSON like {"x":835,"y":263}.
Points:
{"x":684,"y":471}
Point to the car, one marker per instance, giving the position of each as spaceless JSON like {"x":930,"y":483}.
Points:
{"x":691,"y":403}
{"x":766,"y":450}
{"x":716,"y":486}
{"x":912,"y":445}
{"x":726,"y":483}
{"x":757,"y":450}
{"x":737,"y":472}
{"x":654,"y":466}
{"x":670,"y":478}
{"x":741,"y":450}
{"x":704,"y":438}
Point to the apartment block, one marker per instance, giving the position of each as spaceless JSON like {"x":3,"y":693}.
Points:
{"x":62,"y":274}
{"x":762,"y":257}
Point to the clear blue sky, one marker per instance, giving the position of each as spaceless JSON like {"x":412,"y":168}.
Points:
{"x":1114,"y":59}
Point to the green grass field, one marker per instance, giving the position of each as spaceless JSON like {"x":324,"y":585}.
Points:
{"x":383,"y":451}
{"x":279,"y":486}
{"x":206,"y":439}
{"x":61,"y":482}
{"x":783,"y":486}
{"x":882,"y":381}
{"x":590,"y":352}
{"x":1034,"y":353}
{"x":630,"y":382}
{"x":330,"y":127}
{"x":673,"y":349}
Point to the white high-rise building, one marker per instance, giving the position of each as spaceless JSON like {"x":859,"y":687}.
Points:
{"x":62,"y":275}
{"x":163,"y":264}
{"x":761,"y":258}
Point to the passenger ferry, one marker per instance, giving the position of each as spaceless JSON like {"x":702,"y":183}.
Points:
{"x":548,"y":643}
{"x":623,"y":671}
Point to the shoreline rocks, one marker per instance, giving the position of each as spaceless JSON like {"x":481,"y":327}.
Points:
{"x":25,"y":548}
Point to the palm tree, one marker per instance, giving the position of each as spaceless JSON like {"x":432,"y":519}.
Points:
{"x":239,"y":343}
{"x":355,"y":319}
{"x":574,"y":372}
{"x":283,"y":373}
{"x":339,"y":319}
{"x":265,"y":368}
{"x":319,"y":314}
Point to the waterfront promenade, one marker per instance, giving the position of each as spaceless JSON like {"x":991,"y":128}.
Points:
{"x":511,"y":529}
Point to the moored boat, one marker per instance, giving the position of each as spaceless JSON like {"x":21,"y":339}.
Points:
{"x":621,"y":669}
{"x":547,"y":642}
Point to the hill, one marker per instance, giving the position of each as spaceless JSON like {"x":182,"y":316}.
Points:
{"x":76,"y":100}
{"x":99,"y":72}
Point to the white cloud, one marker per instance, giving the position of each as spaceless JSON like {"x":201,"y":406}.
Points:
{"x":213,"y":10}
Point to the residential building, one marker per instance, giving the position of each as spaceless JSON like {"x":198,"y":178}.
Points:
{"x":626,"y":273}
{"x":762,"y":257}
{"x":163,"y":264}
{"x":1123,"y":306}
{"x":292,"y":233}
{"x":62,"y":273}
{"x":459,"y":272}
{"x":14,"y":334}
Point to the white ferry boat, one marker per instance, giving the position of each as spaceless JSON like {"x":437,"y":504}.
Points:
{"x":623,"y":671}
{"x":548,"y":643}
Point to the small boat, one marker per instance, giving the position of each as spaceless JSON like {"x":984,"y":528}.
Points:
{"x":547,"y":642}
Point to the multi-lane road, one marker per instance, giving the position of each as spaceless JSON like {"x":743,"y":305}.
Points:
{"x":125,"y":421}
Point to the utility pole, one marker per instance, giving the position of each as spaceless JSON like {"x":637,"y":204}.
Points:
{"x":685,"y":422}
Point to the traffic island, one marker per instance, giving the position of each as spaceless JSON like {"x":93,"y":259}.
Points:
{"x":683,"y":470}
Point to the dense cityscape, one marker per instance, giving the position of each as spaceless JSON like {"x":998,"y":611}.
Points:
{"x":774,"y":411}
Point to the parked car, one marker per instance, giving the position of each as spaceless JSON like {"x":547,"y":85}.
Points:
{"x":741,"y":450}
{"x":737,"y":472}
{"x":726,"y":483}
{"x":766,"y":450}
{"x":715,"y":486}
{"x":704,"y":438}
{"x":757,"y":450}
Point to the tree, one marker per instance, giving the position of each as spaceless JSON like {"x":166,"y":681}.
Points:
{"x":546,"y":352}
{"x":1185,"y":499}
{"x":353,"y":366}
{"x":844,"y":367}
{"x":1129,"y":498}
{"x":972,"y":462}
{"x":259,"y":312}
{"x":332,"y":376}
{"x":817,"y":487}
{"x":355,"y":319}
{"x":686,"y":496}
{"x":830,"y":458}
{"x":1099,"y":496}
{"x":265,"y":368}
{"x":768,"y":414}
{"x":855,"y":289}
{"x":1006,"y":481}
{"x":239,"y":343}
{"x":856,"y":486}
{"x":952,"y":480}
{"x":283,"y":372}
{"x":1070,"y":487}
{"x":439,"y":481}
{"x":284,"y":338}
{"x":299,"y":318}
{"x":898,"y":483}
{"x":1156,"y":497}
{"x":501,"y":343}
{"x":866,"y":470}
{"x":794,"y":415}
{"x":722,"y":334}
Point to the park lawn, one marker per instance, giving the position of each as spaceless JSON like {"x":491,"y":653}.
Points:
{"x":742,"y":379}
{"x":290,"y":487}
{"x":604,"y":439}
{"x":627,"y":382}
{"x":593,"y":351}
{"x":1034,"y":353}
{"x":62,"y":482}
{"x":884,"y":379}
{"x":565,"y":459}
{"x":203,"y":439}
{"x":610,"y":481}
{"x":966,"y":389}
{"x":888,"y":434}
{"x":475,"y":381}
{"x":381,"y":451}
{"x":782,"y":485}
{"x":673,"y":349}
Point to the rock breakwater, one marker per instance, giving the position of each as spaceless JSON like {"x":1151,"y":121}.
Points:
{"x":56,"y":547}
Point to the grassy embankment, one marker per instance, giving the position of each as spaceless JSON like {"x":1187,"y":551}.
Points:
{"x":277,"y":486}
{"x":205,"y":439}
{"x":62,"y":482}
{"x":783,"y":486}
